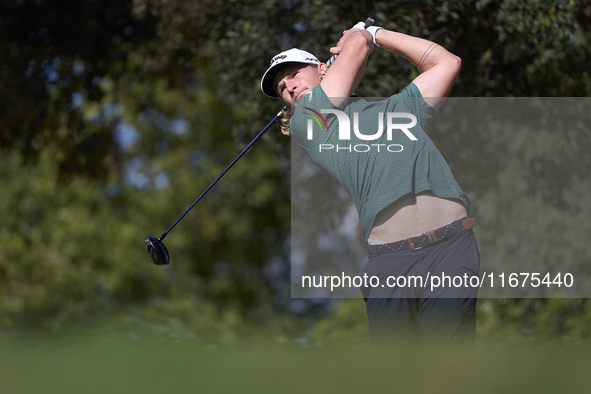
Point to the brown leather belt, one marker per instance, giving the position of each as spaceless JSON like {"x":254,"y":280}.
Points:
{"x":422,"y":241}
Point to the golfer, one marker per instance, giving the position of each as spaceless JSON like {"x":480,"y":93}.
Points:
{"x":413,"y":213}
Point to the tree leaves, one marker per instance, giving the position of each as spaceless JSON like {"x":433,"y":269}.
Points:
{"x":115,"y":115}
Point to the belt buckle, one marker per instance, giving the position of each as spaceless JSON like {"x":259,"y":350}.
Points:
{"x":413,"y":247}
{"x":421,"y":247}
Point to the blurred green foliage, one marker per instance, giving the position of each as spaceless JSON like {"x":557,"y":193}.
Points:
{"x":117,"y":366}
{"x":115,"y":115}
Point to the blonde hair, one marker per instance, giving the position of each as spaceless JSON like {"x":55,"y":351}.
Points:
{"x":285,"y":117}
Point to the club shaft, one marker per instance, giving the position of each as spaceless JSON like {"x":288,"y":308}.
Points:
{"x":221,"y":175}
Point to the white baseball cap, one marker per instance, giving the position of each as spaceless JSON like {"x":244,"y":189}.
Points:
{"x":281,"y":61}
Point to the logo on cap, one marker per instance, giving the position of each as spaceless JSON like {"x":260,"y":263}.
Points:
{"x":277,"y":58}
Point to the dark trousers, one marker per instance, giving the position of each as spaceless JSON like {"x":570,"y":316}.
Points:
{"x":445,"y":314}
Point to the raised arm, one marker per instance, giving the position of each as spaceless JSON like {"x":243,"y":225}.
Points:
{"x":439,"y":68}
{"x":343,"y":76}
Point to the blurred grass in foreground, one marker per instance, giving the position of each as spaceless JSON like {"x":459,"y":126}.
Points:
{"x":91,"y":364}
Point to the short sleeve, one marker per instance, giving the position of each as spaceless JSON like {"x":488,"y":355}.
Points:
{"x":416,"y":104}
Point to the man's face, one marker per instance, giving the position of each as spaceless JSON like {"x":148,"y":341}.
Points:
{"x":294,"y":81}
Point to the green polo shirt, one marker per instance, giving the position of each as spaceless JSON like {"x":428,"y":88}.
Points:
{"x":378,"y":171}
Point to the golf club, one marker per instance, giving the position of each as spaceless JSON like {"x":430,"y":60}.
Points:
{"x":156,"y":250}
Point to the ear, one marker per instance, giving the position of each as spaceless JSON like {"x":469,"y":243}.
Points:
{"x":321,"y":68}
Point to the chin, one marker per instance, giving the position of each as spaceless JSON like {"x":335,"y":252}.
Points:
{"x":296,"y":100}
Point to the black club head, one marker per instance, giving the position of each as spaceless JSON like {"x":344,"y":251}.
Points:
{"x":157,"y":251}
